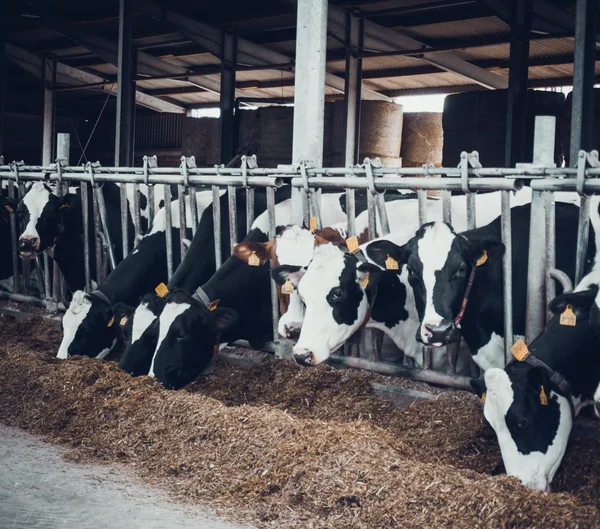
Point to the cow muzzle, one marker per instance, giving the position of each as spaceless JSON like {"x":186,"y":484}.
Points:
{"x":29,"y":246}
{"x":292,"y":331}
{"x":438,"y":335}
{"x":304,"y":357}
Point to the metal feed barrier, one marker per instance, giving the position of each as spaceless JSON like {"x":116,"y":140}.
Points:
{"x":466,"y":178}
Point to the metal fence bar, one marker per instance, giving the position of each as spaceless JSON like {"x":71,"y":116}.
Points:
{"x":124,"y":220}
{"x":168,"y":230}
{"x":506,"y":231}
{"x":182,"y":222}
{"x":550,"y":250}
{"x":100,"y":271}
{"x":14,"y":240}
{"x":193,"y":203}
{"x":104,"y":220}
{"x":272,"y":233}
{"x":447,"y":206}
{"x":137,"y":214}
{"x":217,"y":225}
{"x":86,"y":248}
{"x":231,"y":205}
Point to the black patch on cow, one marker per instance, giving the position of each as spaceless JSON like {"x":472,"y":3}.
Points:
{"x":161,"y":204}
{"x":143,"y":202}
{"x":345,"y":298}
{"x":360,"y":199}
{"x":389,"y":307}
{"x":94,"y":333}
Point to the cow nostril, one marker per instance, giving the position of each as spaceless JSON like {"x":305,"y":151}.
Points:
{"x":291,"y":331}
{"x":304,"y":359}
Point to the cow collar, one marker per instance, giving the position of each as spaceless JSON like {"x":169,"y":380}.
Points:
{"x":201,"y":296}
{"x":101,"y":296}
{"x":465,"y":300}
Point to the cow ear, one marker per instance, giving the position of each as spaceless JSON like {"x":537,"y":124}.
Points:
{"x":279,"y":230}
{"x":246,"y":249}
{"x":368,"y":278}
{"x":8,"y":205}
{"x":478,"y":385}
{"x":486,"y":252}
{"x":325,"y":235}
{"x":66,"y":202}
{"x":538,"y":378}
{"x":381,"y":251}
{"x":580,"y":302}
{"x":220,"y":320}
{"x":284,"y":272}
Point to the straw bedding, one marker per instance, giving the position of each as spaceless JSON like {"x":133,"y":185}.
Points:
{"x":282,"y":446}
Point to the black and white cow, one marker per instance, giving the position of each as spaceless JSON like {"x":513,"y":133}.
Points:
{"x":54,"y":224}
{"x":441,"y":263}
{"x":92,"y":324}
{"x":6,"y":207}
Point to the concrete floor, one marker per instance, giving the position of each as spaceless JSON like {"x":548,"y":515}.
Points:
{"x":41,"y":490}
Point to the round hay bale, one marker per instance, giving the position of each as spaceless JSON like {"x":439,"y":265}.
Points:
{"x":422,"y":139}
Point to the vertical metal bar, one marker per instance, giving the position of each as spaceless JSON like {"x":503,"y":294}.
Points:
{"x":536,"y":268}
{"x":137,"y":214}
{"x":506,"y":226}
{"x":582,"y":114}
{"x":550,"y":250}
{"x":422,"y":204}
{"x":383,"y":217}
{"x":217,"y":226}
{"x":150,"y":189}
{"x":86,"y":226}
{"x":371,"y":216}
{"x":40,"y":277}
{"x":63,"y":150}
{"x":48,"y":117}
{"x":14,"y":239}
{"x":227,"y":101}
{"x":125,"y":220}
{"x":182,"y":221}
{"x":249,"y":208}
{"x":100,"y":270}
{"x":447,"y":206}
{"x":168,"y":231}
{"x":104,"y":220}
{"x":471,"y":211}
{"x":193,"y":208}
{"x":352,"y":89}
{"x":25,"y":264}
{"x":272,"y":232}
{"x":583,"y":235}
{"x":520,"y":27}
{"x":231,"y":204}
{"x":2,"y":91}
{"x":309,"y":90}
{"x":47,"y":279}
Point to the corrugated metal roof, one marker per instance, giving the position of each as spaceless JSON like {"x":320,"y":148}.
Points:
{"x":473,"y":28}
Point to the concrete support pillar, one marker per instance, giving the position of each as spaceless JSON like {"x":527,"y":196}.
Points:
{"x":520,"y":28}
{"x":582,"y":114}
{"x":227,"y":128}
{"x":309,"y":89}
{"x":48,"y":118}
{"x":2,"y":88}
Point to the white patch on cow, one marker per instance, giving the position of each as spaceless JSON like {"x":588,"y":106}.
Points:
{"x":293,"y":317}
{"x":142,"y":319}
{"x":433,"y":250}
{"x":321,"y":335}
{"x":105,"y":352}
{"x":535,"y":469}
{"x":492,"y":353}
{"x":294,"y":246}
{"x":73,"y":318}
{"x":203,"y":200}
{"x":167,"y":317}
{"x":35,"y":200}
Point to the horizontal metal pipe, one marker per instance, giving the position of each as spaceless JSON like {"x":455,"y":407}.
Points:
{"x":452,"y":184}
{"x":24,"y":299}
{"x":433,"y":377}
{"x":568,"y":184}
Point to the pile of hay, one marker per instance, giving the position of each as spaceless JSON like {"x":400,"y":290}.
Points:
{"x":288,"y":464}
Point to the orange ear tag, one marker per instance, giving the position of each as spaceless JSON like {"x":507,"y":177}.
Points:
{"x":8,"y":208}
{"x":519,"y":350}
{"x":391,"y":263}
{"x":161,"y":290}
{"x":213,"y":304}
{"x":483,"y":398}
{"x":365,"y":281}
{"x":543,"y":397}
{"x":568,"y":317}
{"x":352,"y":243}
{"x":110,"y":323}
{"x":63,"y":206}
{"x":253,"y":260}
{"x":313,"y":224}
{"x":123,"y":321}
{"x":482,"y":259}
{"x":287,"y":287}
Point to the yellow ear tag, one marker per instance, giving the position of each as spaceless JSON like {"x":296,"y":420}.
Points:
{"x":313,"y":224}
{"x":110,"y":323}
{"x":161,"y":290}
{"x":365,"y":281}
{"x":483,"y":398}
{"x":287,"y":287}
{"x":482,"y":259}
{"x":519,"y":350}
{"x":213,"y":304}
{"x":391,"y":263}
{"x":123,"y":321}
{"x":8,"y":208}
{"x":253,"y":260}
{"x":543,"y":398}
{"x":568,"y":317}
{"x":352,"y":243}
{"x":63,"y":206}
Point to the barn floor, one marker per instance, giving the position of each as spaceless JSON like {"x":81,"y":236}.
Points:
{"x":39,"y":489}
{"x":281,"y":446}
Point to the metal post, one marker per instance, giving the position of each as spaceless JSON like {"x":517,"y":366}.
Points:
{"x":550,"y":251}
{"x":48,"y":119}
{"x":100,"y":270}
{"x":352,"y":87}
{"x":272,"y":232}
{"x":168,"y":230}
{"x":182,"y":221}
{"x":520,"y":27}
{"x":216,"y":202}
{"x":447,"y":206}
{"x":506,"y":228}
{"x":227,"y":104}
{"x":86,"y":226}
{"x":309,"y":90}
{"x":2,"y":89}
{"x":582,"y":114}
{"x":543,"y":154}
{"x":104,"y":220}
{"x":231,"y":205}
{"x":14,"y":240}
{"x":137,"y":214}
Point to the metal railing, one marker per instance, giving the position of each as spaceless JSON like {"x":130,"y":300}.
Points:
{"x":467,"y":179}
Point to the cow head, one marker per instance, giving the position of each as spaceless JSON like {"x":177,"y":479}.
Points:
{"x":293,"y":246}
{"x":141,"y":334}
{"x":40,"y":215}
{"x":531,"y":416}
{"x":439,"y":263}
{"x":91,"y":326}
{"x":336,"y":293}
{"x":187,"y":335}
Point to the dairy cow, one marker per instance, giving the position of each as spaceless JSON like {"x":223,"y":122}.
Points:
{"x":6,"y":207}
{"x":93,"y":323}
{"x":457,"y":279}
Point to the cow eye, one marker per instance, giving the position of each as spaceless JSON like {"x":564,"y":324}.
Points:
{"x":461,"y":271}
{"x":336,"y":294}
{"x":181,"y":337}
